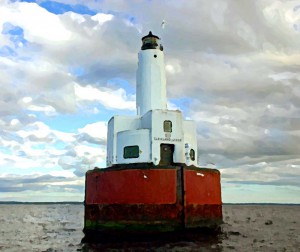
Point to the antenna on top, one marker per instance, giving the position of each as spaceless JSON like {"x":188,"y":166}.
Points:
{"x":163,"y":23}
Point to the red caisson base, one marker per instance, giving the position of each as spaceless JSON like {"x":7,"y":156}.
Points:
{"x":152,"y":199}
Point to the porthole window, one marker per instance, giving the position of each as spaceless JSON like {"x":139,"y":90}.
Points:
{"x":131,"y":151}
{"x":167,"y":126}
{"x":192,"y":154}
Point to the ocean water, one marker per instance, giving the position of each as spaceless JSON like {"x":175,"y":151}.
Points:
{"x":58,"y":227}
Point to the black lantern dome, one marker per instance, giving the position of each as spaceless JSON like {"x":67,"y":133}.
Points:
{"x":151,"y":41}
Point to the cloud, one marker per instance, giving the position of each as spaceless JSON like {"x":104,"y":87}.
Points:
{"x":233,"y":67}
{"x":111,"y":99}
{"x":29,"y":17}
{"x":94,"y":133}
{"x":36,"y":145}
{"x":11,"y":183}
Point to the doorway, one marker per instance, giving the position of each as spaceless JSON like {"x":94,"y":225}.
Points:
{"x":166,"y":154}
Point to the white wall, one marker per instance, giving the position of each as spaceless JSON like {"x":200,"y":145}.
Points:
{"x":139,"y":137}
{"x":151,"y":81}
{"x":117,"y":124}
{"x":148,"y":133}
{"x":190,"y":138}
{"x":160,"y":137}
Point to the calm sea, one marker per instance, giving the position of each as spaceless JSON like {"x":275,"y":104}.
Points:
{"x":58,"y":227}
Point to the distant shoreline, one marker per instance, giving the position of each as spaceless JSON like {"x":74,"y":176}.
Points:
{"x":264,"y":204}
{"x":41,"y":203}
{"x":81,"y":203}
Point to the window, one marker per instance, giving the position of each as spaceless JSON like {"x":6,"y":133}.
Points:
{"x":192,"y":154}
{"x":131,"y":151}
{"x":150,"y":43}
{"x":167,"y":126}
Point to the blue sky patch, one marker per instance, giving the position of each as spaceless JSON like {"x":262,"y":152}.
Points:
{"x":60,"y":8}
{"x":60,"y":145}
{"x":121,"y":83}
{"x":183,"y":103}
{"x":6,"y":51}
{"x":11,"y":29}
{"x":77,"y":71}
{"x":38,"y":147}
{"x":15,"y":34}
{"x":5,"y":150}
{"x":70,"y":123}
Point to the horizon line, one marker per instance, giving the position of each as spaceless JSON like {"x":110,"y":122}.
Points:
{"x":82,"y":202}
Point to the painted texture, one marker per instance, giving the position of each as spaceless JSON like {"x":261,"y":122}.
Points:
{"x":152,"y":200}
{"x":202,"y":186}
{"x":203,"y":204}
{"x":135,"y":186}
{"x":133,"y":217}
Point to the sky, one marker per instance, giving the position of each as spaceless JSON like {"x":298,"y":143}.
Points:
{"x":66,"y":67}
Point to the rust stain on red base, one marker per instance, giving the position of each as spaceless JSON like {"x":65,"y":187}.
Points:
{"x":138,"y":212}
{"x":203,"y":204}
{"x":203,"y":215}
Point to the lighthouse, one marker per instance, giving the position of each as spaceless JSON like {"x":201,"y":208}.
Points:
{"x":155,"y":135}
{"x":152,"y":183}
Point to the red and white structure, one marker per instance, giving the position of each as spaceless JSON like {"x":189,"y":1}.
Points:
{"x":151,"y":182}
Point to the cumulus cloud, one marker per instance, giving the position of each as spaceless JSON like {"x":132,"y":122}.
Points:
{"x":111,"y":99}
{"x":10,"y":183}
{"x":36,"y":145}
{"x":94,"y":132}
{"x":236,"y":62}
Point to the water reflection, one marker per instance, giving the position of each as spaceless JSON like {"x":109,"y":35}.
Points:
{"x":204,"y":240}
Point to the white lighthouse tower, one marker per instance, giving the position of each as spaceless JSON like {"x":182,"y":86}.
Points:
{"x":155,"y":135}
{"x":151,"y":90}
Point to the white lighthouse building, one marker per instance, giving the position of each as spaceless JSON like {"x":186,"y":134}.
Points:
{"x":155,"y":135}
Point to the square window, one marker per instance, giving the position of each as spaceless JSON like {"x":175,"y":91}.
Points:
{"x":131,"y":151}
{"x":167,"y":126}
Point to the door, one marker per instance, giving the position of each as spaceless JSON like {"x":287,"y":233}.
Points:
{"x":166,"y":154}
